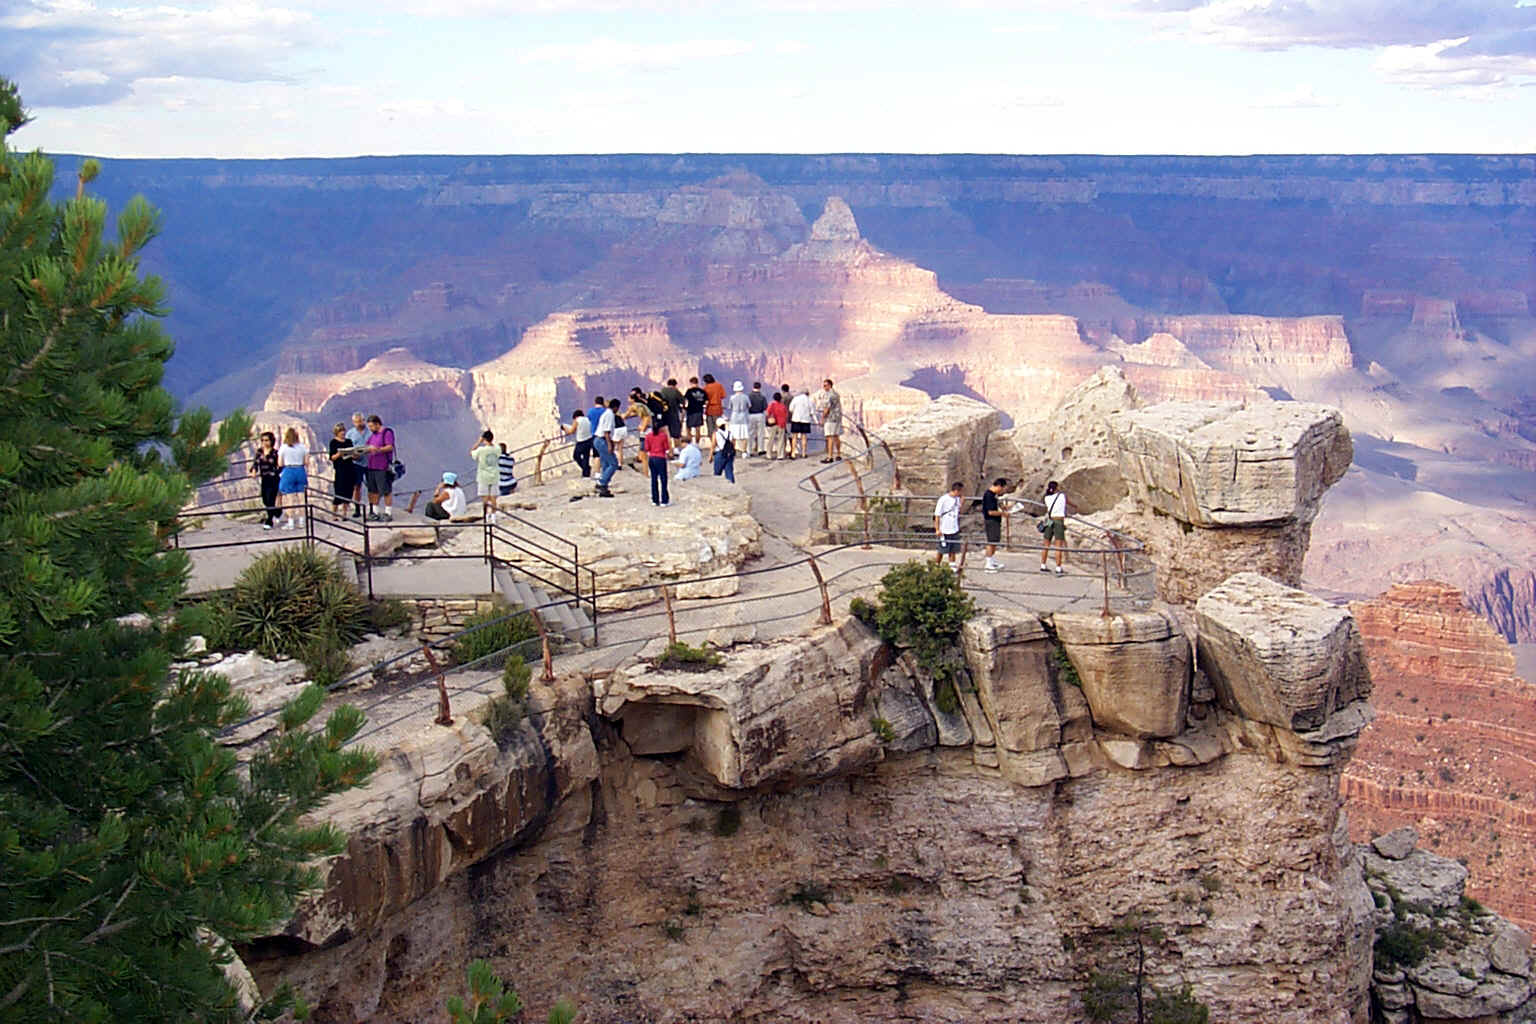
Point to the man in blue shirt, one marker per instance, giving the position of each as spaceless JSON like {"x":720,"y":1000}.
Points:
{"x":596,"y":412}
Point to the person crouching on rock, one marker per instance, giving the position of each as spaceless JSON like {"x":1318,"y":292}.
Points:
{"x":449,"y":500}
{"x":691,"y":461}
{"x":658,"y":449}
{"x":1055,"y":531}
{"x":725,"y":451}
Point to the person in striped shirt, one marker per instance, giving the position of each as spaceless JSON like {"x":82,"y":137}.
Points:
{"x":506,"y":465}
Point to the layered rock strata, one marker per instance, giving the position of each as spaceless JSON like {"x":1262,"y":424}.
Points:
{"x":1454,"y":743}
{"x":808,"y":833}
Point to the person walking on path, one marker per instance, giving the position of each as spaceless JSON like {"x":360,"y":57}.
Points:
{"x":738,"y":409}
{"x":487,"y":472}
{"x":343,"y":478}
{"x":448,"y":501}
{"x":714,"y":403}
{"x":695,"y":399}
{"x":992,"y":516}
{"x":1055,"y":526}
{"x":293,"y":478}
{"x":691,"y":461}
{"x":830,"y":404}
{"x":946,"y":523}
{"x":757,"y":421}
{"x":776,"y":421}
{"x":357,"y":437}
{"x":658,"y":450}
{"x":580,"y":431}
{"x":674,"y":400}
{"x":381,"y":474}
{"x":506,"y":472}
{"x":599,"y":406}
{"x":800,"y":413}
{"x":265,"y":468}
{"x":725,"y":451}
{"x":602,"y":441}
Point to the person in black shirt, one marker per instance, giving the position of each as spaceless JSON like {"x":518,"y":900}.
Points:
{"x":264,"y":465}
{"x":992,"y":516}
{"x":694,"y":400}
{"x":674,"y":399}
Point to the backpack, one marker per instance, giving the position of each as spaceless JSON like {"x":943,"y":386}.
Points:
{"x":729,"y":448}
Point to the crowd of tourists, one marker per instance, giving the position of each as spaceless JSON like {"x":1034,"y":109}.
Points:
{"x":677,"y":425}
{"x":362,"y":457}
{"x":994,"y":510}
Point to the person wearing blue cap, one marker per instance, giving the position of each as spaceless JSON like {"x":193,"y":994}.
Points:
{"x":449,"y":500}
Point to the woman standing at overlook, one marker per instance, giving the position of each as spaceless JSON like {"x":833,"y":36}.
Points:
{"x":264,"y":466}
{"x":293,"y":480}
{"x":1055,"y":523}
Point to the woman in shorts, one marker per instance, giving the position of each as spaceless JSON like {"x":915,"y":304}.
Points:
{"x":1055,"y":531}
{"x":292,"y":479}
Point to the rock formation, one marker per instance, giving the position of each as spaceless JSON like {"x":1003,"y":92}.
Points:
{"x":944,"y":442}
{"x":1453,"y":743}
{"x":1440,"y":956}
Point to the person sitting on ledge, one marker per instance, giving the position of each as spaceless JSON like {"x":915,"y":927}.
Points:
{"x":692,"y":461}
{"x":449,"y":500}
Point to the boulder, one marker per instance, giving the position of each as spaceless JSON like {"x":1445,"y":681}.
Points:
{"x":1027,"y":707}
{"x":1226,"y":464}
{"x":1134,"y":669}
{"x":1397,"y":844}
{"x":1077,"y":428}
{"x":1278,"y":655}
{"x":944,"y":442}
{"x":1092,"y":484}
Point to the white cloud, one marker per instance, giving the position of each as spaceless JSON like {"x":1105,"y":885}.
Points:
{"x":614,"y":54}
{"x":1298,"y":98}
{"x":1446,"y":65}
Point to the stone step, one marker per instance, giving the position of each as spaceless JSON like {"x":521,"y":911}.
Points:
{"x":564,"y":618}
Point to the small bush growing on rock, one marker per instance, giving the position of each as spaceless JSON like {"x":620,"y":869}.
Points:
{"x":494,"y":631}
{"x":505,"y":713}
{"x":387,"y":613}
{"x":1179,"y":1007}
{"x":284,"y":600}
{"x":863,"y":611}
{"x":922,"y":607}
{"x":673,"y":929}
{"x":884,"y":731}
{"x":945,"y":698}
{"x":807,"y":893}
{"x":326,"y":659}
{"x":563,"y":1012}
{"x":210,"y":620}
{"x":1065,"y":670}
{"x":687,"y":658}
{"x":1401,"y":944}
{"x":490,"y":1001}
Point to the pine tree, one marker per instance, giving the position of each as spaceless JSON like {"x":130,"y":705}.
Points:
{"x":131,"y":843}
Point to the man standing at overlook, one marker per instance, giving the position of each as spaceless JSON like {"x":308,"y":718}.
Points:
{"x":830,"y":404}
{"x":694,"y":401}
{"x":757,"y":410}
{"x":714,"y":405}
{"x":800,"y":413}
{"x":380,"y":472}
{"x":946,"y":523}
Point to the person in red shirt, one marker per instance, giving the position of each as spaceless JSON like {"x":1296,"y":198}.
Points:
{"x":714,"y":404}
{"x":658,"y":446}
{"x":776,"y":417}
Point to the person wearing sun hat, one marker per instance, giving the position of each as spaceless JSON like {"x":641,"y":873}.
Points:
{"x":738,"y":410}
{"x":449,"y":500}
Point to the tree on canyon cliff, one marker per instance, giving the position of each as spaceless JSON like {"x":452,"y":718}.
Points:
{"x":131,"y":843}
{"x":1123,"y":994}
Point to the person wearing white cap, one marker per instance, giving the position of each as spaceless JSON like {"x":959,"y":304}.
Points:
{"x":725,"y":451}
{"x":449,"y":500}
{"x":738,"y":410}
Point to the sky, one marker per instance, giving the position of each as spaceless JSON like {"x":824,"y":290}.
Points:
{"x":219,"y":78}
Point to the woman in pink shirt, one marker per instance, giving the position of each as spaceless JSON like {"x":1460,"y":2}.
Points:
{"x":776,"y":417}
{"x":658,"y":446}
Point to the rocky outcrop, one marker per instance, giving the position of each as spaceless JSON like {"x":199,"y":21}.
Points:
{"x":1218,"y":488}
{"x":1507,"y":599}
{"x":943,"y":443}
{"x":1075,"y":438}
{"x":1453,"y":744}
{"x":1279,"y":655}
{"x":1440,"y":956}
{"x":1133,"y":669}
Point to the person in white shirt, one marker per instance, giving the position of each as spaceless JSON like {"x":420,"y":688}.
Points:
{"x":449,"y":500}
{"x":602,"y":440}
{"x":293,"y":478}
{"x":800,"y":412}
{"x":1055,"y":531}
{"x":946,"y":523}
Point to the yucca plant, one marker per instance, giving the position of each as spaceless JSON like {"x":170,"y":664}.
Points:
{"x":286,"y":600}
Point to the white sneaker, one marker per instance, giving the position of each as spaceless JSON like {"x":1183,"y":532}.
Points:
{"x":953,"y":567}
{"x":1044,"y":567}
{"x":266,"y":526}
{"x":1060,"y":571}
{"x":989,"y":567}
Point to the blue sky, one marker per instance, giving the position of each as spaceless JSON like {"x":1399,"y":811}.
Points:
{"x":233,"y":79}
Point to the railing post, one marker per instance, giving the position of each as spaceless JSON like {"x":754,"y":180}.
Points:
{"x":549,"y":660}
{"x":825,"y":522}
{"x":367,"y":556}
{"x":858,"y":482}
{"x":1104,"y":558}
{"x":538,"y":464}
{"x":666,"y":597}
{"x":826,"y":601}
{"x":444,"y":713}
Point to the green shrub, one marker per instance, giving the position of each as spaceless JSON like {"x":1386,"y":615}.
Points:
{"x":505,"y":713}
{"x":495,"y":630}
{"x":1402,"y":944}
{"x":210,"y":620}
{"x":285,"y":600}
{"x":389,"y":613}
{"x":1108,"y":995}
{"x":806,"y":893}
{"x":515,"y":677}
{"x":1065,"y":670}
{"x":863,"y":611}
{"x":490,"y":1000}
{"x":1179,"y":1007}
{"x":684,"y":657}
{"x":923,"y":608}
{"x":563,"y":1012}
{"x":884,"y":731}
{"x":673,"y":929}
{"x":327,"y":660}
{"x":945,"y":698}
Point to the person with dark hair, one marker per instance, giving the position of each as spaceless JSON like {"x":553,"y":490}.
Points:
{"x":658,"y":448}
{"x":599,"y":406}
{"x":602,"y":441}
{"x":757,"y":425}
{"x":714,"y":404}
{"x":487,"y":472}
{"x":381,"y":474}
{"x":506,"y":472}
{"x":992,"y":516}
{"x":695,"y":399}
{"x":830,"y":404}
{"x":343,"y":479}
{"x":725,"y":451}
{"x":1055,"y":531}
{"x":265,"y":468}
{"x":776,"y":422}
{"x":580,"y":431}
{"x":946,"y":523}
{"x":674,"y":399}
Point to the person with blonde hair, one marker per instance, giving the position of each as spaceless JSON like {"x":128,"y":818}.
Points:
{"x":293,"y":480}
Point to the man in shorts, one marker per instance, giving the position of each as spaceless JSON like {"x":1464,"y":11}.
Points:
{"x":380,"y":472}
{"x":694,"y":401}
{"x":831,"y":405}
{"x":946,"y":524}
{"x":992,"y":516}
